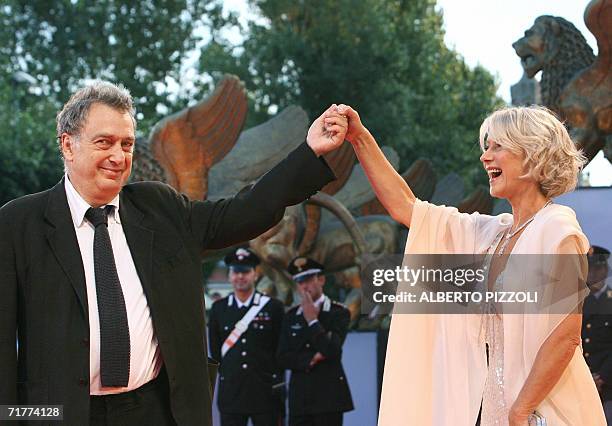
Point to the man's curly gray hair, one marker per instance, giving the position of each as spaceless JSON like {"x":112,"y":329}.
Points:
{"x":74,"y":113}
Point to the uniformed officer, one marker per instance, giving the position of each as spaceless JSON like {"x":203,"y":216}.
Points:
{"x":244,"y":329}
{"x":597,"y":326}
{"x":311,"y":347}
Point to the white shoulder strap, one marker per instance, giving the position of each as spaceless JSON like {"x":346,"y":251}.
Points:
{"x":243,"y":325}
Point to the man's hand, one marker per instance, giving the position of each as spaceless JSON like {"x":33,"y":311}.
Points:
{"x":327,"y":132}
{"x":309,"y":310}
{"x":317,"y":358}
{"x":598,"y":382}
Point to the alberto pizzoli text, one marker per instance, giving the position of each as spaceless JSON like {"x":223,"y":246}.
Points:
{"x":457,"y":297}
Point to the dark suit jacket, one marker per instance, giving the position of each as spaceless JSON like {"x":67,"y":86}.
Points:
{"x":249,"y":369}
{"x":43,"y":300}
{"x":323,"y":388}
{"x":597,"y":338}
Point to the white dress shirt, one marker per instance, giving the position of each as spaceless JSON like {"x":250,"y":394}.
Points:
{"x":246,"y":302}
{"x":145,"y":359}
{"x":319,"y":301}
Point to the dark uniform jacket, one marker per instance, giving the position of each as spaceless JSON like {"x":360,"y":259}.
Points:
{"x":324,"y":388}
{"x":43,"y":297}
{"x":597,"y":338}
{"x":248,"y":371}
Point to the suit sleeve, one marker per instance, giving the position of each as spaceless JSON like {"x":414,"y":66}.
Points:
{"x":290,"y":358}
{"x":329,"y":341}
{"x":8,"y":314}
{"x":258,"y":207}
{"x":214,"y":337}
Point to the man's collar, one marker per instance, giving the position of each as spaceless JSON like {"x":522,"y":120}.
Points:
{"x":603,"y":289}
{"x":246,"y":302}
{"x":324,"y":302}
{"x":320,"y":300}
{"x":78,"y":206}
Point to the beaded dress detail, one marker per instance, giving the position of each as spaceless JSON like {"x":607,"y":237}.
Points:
{"x":494,"y":408}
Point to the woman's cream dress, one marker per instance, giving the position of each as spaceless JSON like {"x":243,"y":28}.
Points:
{"x":436,"y":365}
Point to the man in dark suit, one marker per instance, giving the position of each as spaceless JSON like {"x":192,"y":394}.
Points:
{"x":597,"y":326}
{"x":244,"y":328}
{"x":101,"y":282}
{"x":311,"y":347}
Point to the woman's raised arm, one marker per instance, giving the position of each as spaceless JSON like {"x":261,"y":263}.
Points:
{"x":390,"y":188}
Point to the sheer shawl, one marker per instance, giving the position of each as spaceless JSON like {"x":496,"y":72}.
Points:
{"x":436,"y":365}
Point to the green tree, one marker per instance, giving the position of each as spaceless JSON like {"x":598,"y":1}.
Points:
{"x":144,"y":45}
{"x":29,"y":158}
{"x":387,"y":58}
{"x":141,"y":44}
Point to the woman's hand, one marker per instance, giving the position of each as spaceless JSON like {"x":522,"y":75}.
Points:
{"x":355,"y":126}
{"x":389,"y":186}
{"x":518,"y":416}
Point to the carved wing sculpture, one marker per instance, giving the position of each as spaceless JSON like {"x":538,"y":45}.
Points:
{"x":357,"y":191}
{"x":423,"y":182}
{"x":188,"y":143}
{"x":341,"y":162}
{"x":258,"y":149}
{"x":421,"y":178}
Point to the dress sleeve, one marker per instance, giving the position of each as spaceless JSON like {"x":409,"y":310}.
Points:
{"x":430,"y":358}
{"x":444,"y":230}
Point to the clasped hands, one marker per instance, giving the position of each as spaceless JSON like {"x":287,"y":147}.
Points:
{"x":337,"y":123}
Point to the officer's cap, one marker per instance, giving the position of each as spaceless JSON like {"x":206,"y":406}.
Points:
{"x":302,"y":268}
{"x":598,"y":255}
{"x":241,"y":260}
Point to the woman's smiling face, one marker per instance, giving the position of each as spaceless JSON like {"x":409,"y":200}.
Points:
{"x":505,"y":169}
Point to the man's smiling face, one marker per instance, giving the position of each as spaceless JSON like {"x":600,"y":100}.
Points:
{"x":99,"y":159}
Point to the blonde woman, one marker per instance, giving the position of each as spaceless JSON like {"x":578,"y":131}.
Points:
{"x":437,"y":371}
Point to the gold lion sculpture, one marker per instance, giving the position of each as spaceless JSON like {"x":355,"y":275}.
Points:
{"x":575,"y":83}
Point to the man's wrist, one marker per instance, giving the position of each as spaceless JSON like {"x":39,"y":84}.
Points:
{"x":313,"y":149}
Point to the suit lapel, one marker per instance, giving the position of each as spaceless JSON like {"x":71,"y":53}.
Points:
{"x":63,"y":241}
{"x":140,"y":242}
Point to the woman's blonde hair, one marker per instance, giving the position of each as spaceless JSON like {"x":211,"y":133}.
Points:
{"x":535,"y":133}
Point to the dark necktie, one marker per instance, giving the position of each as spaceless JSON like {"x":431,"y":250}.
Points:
{"x":114,"y":331}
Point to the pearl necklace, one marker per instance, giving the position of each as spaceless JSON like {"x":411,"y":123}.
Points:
{"x":509,"y":235}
